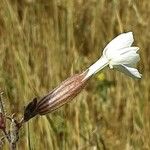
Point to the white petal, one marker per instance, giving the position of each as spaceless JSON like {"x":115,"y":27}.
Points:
{"x":126,"y":50}
{"x":124,"y":40}
{"x":128,"y":58}
{"x":116,"y":53}
{"x":132,"y":72}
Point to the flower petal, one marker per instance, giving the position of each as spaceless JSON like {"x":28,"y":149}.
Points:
{"x":115,"y":54}
{"x":132,"y":72}
{"x":123,"y":40}
{"x":129,"y":58}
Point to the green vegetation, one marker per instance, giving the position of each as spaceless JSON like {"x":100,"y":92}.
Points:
{"x":44,"y":42}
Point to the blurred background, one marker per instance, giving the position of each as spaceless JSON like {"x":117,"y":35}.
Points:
{"x":44,"y":42}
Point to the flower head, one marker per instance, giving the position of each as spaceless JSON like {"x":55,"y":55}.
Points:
{"x":119,"y":54}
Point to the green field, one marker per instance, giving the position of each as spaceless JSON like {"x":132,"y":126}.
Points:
{"x":44,"y":42}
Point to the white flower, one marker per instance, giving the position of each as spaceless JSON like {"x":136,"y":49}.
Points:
{"x":120,"y":55}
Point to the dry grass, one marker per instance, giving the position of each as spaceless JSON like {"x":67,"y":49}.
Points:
{"x":44,"y":42}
